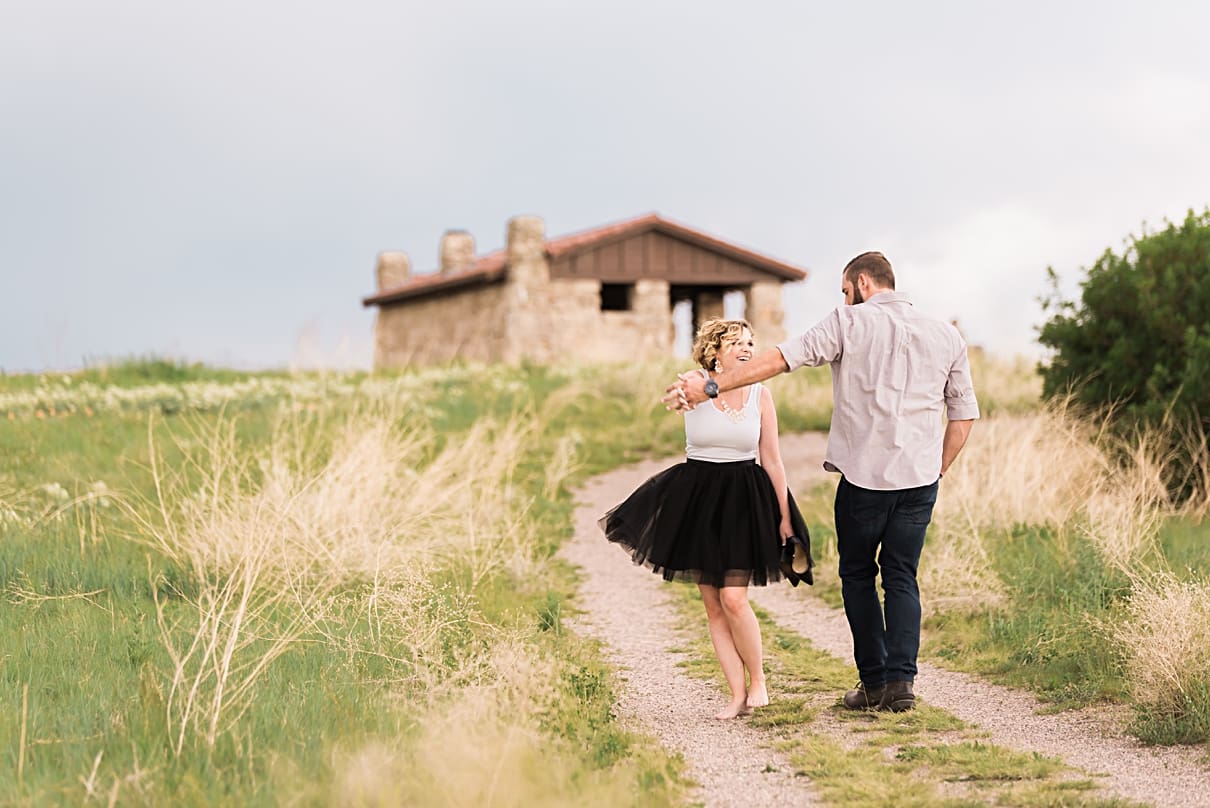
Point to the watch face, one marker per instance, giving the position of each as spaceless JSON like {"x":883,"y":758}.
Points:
{"x":711,"y":388}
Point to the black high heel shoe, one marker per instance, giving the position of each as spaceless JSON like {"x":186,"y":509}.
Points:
{"x":796,"y":562}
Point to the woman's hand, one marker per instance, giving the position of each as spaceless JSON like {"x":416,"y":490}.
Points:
{"x":687,"y":392}
{"x":786,"y":529}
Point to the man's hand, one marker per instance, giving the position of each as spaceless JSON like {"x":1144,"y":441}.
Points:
{"x":686,"y":393}
{"x":690,"y":387}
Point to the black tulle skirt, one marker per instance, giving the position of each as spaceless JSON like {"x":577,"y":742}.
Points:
{"x":709,"y":523}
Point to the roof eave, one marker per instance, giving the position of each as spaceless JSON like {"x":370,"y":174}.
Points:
{"x":413,"y":291}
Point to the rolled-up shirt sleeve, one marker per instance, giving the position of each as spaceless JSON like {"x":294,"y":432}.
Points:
{"x":960,"y":401}
{"x":818,"y":345}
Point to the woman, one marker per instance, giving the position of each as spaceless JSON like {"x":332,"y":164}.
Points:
{"x":719,"y":519}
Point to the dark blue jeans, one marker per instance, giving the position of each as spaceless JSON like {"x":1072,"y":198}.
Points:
{"x":882,"y":529}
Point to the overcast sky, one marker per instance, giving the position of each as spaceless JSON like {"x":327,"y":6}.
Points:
{"x":212,"y":180}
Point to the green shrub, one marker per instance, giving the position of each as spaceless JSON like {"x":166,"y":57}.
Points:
{"x":1137,"y":343}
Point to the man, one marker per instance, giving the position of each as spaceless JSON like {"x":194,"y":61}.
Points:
{"x":894,"y":371}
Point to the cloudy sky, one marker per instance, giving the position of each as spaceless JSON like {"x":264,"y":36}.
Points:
{"x":212,"y":180}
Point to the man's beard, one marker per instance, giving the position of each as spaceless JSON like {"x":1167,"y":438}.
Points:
{"x":857,"y":298}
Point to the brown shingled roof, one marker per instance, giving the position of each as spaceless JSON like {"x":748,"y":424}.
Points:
{"x":492,"y":266}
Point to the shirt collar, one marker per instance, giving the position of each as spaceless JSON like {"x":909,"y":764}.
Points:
{"x":889,"y":297}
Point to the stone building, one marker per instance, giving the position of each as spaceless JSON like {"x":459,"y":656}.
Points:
{"x":604,"y":294}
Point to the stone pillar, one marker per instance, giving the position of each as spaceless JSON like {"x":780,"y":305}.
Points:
{"x":394,"y":269}
{"x":457,"y":251}
{"x":653,"y":310}
{"x":766,"y":312}
{"x":528,"y":292}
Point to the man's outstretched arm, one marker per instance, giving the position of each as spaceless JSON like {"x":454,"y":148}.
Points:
{"x":765,"y":365}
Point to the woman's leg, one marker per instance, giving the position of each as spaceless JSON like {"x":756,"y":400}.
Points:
{"x":724,"y":649}
{"x":745,"y":634}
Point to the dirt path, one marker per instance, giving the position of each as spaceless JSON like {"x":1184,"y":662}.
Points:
{"x":626,"y":607}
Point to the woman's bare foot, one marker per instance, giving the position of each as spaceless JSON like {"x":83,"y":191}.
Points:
{"x":758,"y":696}
{"x":733,"y":709}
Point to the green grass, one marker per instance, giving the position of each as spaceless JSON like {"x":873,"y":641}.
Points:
{"x":1046,"y":637}
{"x":925,"y":757}
{"x":78,"y":638}
{"x":1186,"y":546}
{"x":1049,"y":635}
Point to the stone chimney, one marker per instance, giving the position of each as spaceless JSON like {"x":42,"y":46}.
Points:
{"x":526,"y":250}
{"x":393,"y":269}
{"x":457,"y":251}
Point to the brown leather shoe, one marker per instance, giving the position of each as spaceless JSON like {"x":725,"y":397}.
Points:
{"x":861,"y":699}
{"x":897,"y":697}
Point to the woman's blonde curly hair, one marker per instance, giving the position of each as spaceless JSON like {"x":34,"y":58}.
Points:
{"x":711,"y":337}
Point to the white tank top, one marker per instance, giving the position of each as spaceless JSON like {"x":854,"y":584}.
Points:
{"x":712,"y":436}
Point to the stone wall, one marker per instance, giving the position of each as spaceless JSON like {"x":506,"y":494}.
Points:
{"x":643,"y":333}
{"x":564,"y":323}
{"x":469,"y":324}
{"x":559,"y":321}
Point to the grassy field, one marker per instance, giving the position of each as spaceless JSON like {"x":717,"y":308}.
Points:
{"x":221,"y":587}
{"x":329,"y":590}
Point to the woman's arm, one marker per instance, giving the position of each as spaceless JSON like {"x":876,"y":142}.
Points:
{"x":770,"y":458}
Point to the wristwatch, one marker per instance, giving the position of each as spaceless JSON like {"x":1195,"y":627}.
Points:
{"x":711,"y":388}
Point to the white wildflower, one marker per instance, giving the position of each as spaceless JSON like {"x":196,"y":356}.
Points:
{"x":55,"y":491}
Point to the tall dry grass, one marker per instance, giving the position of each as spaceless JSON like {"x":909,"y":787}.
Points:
{"x":1052,"y":468}
{"x":272,"y":541}
{"x":486,"y":748}
{"x":1165,"y":640}
{"x":1005,"y":385}
{"x":1062,"y":477}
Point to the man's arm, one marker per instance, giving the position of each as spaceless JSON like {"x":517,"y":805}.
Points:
{"x":764,"y":365}
{"x":956,"y":433}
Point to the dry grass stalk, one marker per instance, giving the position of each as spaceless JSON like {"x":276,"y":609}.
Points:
{"x":1054,"y":469}
{"x":561,"y":465}
{"x":956,"y":572}
{"x":223,"y":646}
{"x":1036,"y":469}
{"x":1017,"y":469}
{"x":484,"y":748}
{"x":1165,"y":639}
{"x":1196,"y":444}
{"x":270,"y":544}
{"x":1011,"y":385}
{"x":20,"y":594}
{"x":21,"y":743}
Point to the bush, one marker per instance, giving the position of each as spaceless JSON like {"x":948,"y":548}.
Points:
{"x":1137,"y":343}
{"x":1165,"y":640}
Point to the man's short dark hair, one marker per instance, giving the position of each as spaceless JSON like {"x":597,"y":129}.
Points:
{"x":874,"y":265}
